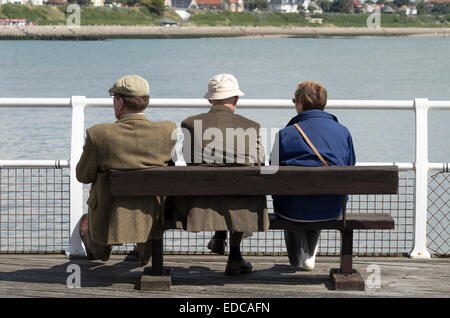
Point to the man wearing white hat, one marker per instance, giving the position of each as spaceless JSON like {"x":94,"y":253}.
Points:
{"x":237,"y":214}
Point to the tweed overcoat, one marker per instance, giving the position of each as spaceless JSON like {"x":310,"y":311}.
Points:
{"x":132,"y":142}
{"x":206,"y":139}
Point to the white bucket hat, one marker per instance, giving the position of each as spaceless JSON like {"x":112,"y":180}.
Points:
{"x":223,"y":86}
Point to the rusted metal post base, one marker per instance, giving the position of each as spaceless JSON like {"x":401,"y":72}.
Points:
{"x":152,"y":282}
{"x":352,"y":281}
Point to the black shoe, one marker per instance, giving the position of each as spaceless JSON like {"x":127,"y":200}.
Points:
{"x":238,"y":267}
{"x":143,"y":251}
{"x":217,"y":246}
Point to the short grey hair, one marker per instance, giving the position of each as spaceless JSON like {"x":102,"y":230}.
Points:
{"x":222,"y":101}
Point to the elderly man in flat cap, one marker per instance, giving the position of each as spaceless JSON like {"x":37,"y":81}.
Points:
{"x":132,"y":142}
{"x":237,"y":214}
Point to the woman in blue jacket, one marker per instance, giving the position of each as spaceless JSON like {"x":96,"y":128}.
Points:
{"x":334,"y":145}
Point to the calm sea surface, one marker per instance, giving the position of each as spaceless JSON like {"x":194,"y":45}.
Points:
{"x":363,"y":68}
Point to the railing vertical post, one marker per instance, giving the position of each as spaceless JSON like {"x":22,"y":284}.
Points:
{"x":178,"y":149}
{"x":76,"y":188}
{"x":421,"y":181}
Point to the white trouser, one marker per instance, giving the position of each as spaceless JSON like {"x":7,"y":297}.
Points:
{"x":301,"y":245}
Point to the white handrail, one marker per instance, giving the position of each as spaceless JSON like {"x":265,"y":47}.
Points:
{"x":243,"y":103}
{"x":438,"y":105}
{"x":421,"y":166}
{"x":262,"y":103}
{"x":35,"y":102}
{"x":57,"y":164}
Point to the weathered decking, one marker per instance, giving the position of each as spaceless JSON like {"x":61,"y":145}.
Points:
{"x":43,"y":275}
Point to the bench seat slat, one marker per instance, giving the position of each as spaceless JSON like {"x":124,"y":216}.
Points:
{"x":354,"y":221}
{"x":292,"y":180}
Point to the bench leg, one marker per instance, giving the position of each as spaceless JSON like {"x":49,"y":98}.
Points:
{"x":346,"y":278}
{"x":156,"y":277}
{"x":346,"y":252}
{"x":157,"y":257}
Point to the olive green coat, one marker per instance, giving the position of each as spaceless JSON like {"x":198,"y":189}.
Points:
{"x":209,"y":213}
{"x":133,"y":142}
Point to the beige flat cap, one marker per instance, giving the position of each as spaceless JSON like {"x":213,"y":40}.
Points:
{"x":222,"y":86}
{"x":131,"y":85}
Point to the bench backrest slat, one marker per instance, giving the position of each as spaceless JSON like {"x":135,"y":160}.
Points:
{"x":201,"y":180}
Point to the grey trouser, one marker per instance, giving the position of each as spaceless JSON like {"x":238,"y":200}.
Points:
{"x":300,"y":245}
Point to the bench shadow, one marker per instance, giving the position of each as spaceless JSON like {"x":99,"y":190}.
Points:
{"x":93,"y":273}
{"x":100,"y":274}
{"x":279,"y":274}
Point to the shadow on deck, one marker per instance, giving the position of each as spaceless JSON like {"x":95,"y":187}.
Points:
{"x":24,"y":275}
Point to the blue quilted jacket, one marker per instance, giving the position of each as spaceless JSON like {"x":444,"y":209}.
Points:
{"x":334,"y":143}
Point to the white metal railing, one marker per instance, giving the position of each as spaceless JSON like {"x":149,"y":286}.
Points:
{"x":243,"y":103}
{"x":421,"y":166}
{"x":57,"y":164}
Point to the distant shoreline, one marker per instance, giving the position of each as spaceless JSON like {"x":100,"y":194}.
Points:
{"x":159,"y":32}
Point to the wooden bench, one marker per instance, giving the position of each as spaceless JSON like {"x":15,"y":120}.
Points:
{"x":205,"y":181}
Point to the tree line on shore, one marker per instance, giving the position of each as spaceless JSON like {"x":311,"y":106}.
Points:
{"x":329,"y":6}
{"x":146,"y":14}
{"x":154,"y":6}
{"x":349,"y":6}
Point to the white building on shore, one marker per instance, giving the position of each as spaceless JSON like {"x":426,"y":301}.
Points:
{"x":293,"y":6}
{"x":305,"y":4}
{"x":10,"y":1}
{"x":30,"y":2}
{"x":310,"y":6}
{"x":234,"y":5}
{"x":284,"y":6}
{"x":98,"y":3}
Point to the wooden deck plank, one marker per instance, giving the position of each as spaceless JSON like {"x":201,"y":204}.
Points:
{"x":203,"y":276}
